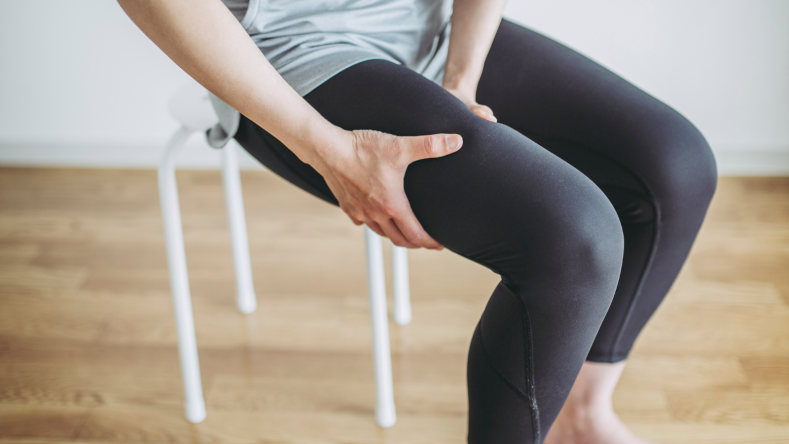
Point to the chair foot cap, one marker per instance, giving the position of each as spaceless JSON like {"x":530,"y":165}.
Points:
{"x":195,"y":412}
{"x":247,"y":304}
{"x":386,"y":417}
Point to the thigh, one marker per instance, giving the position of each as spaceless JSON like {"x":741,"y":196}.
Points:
{"x":617,"y":134}
{"x":497,"y":187}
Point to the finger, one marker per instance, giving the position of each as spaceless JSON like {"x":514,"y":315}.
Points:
{"x":395,"y":235}
{"x":426,"y":147}
{"x":485,"y":115}
{"x":375,"y":227}
{"x":485,"y":112}
{"x":484,"y":108}
{"x":350,"y":211}
{"x":413,"y":231}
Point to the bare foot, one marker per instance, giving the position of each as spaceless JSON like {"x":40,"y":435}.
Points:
{"x":588,"y":415}
{"x":579,"y":426}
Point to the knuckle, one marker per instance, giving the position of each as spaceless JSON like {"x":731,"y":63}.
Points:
{"x":384,"y":205}
{"x":363,"y":137}
{"x":375,"y":200}
{"x":371,"y":216}
{"x":400,"y":150}
{"x":430,"y":145}
{"x":414,"y":237}
{"x":389,"y":208}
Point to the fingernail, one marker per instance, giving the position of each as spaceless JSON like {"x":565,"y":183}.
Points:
{"x":452,"y":142}
{"x":491,"y":116}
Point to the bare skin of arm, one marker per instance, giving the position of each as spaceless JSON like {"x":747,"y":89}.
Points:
{"x":474,"y":24}
{"x":364,"y":169}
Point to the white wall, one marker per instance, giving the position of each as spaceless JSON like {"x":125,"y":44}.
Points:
{"x":81,"y":85}
{"x":724,"y":64}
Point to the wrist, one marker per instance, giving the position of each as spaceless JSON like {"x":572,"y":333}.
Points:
{"x":466,"y":95}
{"x":323,"y":144}
{"x":464,"y":88}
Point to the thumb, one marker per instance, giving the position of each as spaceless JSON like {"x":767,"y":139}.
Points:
{"x":435,"y":145}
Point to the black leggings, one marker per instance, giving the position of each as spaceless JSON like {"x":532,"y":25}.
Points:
{"x":585,"y":198}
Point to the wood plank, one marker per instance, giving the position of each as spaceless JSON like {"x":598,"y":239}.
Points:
{"x":719,"y":293}
{"x":771,"y":370}
{"x":732,"y":406}
{"x":23,"y":421}
{"x":683,"y":372}
{"x":676,"y":432}
{"x":144,"y":426}
{"x":704,"y":330}
{"x":88,"y":348}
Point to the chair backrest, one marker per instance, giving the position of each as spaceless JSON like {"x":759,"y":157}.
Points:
{"x":192,"y":108}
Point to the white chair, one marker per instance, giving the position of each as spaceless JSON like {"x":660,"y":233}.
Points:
{"x":191,"y":107}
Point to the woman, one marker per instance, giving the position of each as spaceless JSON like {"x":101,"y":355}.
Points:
{"x":583,"y":193}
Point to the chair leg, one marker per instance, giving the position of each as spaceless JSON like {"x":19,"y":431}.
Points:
{"x":179,"y":279}
{"x":402,"y":294}
{"x":245,"y":291}
{"x":384,"y":397}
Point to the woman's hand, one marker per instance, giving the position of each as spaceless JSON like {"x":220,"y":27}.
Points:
{"x":366,"y":175}
{"x":483,"y":111}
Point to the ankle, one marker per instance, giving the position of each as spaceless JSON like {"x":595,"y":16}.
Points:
{"x":591,"y":393}
{"x":588,"y":410}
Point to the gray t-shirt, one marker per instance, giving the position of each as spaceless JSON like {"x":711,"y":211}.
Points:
{"x":309,"y":41}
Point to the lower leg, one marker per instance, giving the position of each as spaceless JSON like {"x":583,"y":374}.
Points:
{"x":588,"y":415}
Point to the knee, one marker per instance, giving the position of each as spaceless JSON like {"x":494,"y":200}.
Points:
{"x":578,"y":249}
{"x":684,"y":172}
{"x":589,"y":244}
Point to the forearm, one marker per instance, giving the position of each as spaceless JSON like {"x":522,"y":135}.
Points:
{"x":474,"y":24}
{"x":206,"y":41}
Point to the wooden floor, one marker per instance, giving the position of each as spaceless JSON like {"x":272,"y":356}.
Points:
{"x":88,"y":345}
